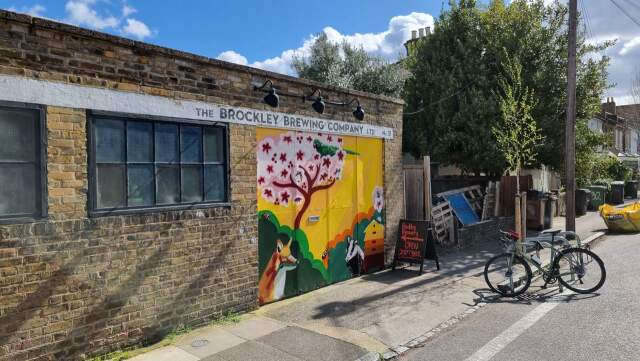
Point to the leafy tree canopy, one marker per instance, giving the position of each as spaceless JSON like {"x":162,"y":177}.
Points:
{"x":516,"y":132}
{"x":456,"y":71}
{"x":346,"y":66}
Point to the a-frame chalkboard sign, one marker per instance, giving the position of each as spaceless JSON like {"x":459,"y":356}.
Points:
{"x":415,"y":244}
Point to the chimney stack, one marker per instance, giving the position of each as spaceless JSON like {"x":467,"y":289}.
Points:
{"x":428,"y":30}
{"x":414,"y":34}
{"x":609,"y":106}
{"x":421,"y":32}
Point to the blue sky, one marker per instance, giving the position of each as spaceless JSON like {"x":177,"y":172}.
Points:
{"x":256,"y":29}
{"x":268,"y":33}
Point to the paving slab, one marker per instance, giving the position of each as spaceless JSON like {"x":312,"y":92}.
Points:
{"x":416,"y":314}
{"x":215,"y":339}
{"x":168,"y":353}
{"x":253,"y":351}
{"x":308,"y":345}
{"x":255,"y":327}
{"x":345,"y":321}
{"x":391,"y":307}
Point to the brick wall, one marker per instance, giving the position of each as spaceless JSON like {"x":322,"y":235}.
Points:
{"x":485,"y":231}
{"x":72,"y":285}
{"x":66,"y":162}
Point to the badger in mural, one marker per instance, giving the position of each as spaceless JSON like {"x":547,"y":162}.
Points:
{"x":355,"y":256}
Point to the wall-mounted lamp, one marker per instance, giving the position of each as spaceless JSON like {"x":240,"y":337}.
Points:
{"x":358,"y":113}
{"x":271,"y":98}
{"x":318,"y":103}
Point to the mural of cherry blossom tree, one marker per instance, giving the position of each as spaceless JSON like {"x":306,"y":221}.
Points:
{"x":295,"y":165}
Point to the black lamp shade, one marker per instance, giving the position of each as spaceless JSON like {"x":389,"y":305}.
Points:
{"x":359,"y":113}
{"x":272,"y":98}
{"x":318,"y":105}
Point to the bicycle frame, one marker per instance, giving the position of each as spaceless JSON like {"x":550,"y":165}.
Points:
{"x":511,"y":246}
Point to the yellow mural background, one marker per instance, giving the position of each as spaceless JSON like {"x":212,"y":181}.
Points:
{"x":338,"y":206}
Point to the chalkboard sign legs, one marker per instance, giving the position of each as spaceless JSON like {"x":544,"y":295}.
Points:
{"x":395,"y":254}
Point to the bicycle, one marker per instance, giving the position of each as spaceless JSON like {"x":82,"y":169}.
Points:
{"x":575,"y":267}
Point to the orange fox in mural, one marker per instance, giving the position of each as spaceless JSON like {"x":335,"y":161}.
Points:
{"x":272,"y":281}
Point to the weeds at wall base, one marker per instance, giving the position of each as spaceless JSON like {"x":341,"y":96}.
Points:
{"x":167,"y":340}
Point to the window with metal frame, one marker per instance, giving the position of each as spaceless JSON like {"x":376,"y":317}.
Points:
{"x":139,"y":164}
{"x":22,"y":175}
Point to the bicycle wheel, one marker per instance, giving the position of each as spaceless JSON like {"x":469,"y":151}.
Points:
{"x":507,"y":274}
{"x":580,"y":270}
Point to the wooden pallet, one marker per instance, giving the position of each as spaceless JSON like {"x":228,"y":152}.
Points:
{"x":489,"y":203}
{"x":443,"y":218}
{"x":473,"y":194}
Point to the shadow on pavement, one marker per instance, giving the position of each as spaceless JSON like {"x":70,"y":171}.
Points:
{"x":551,"y":293}
{"x":453,"y":264}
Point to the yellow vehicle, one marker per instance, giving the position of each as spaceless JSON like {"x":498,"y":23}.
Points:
{"x":626,"y":219}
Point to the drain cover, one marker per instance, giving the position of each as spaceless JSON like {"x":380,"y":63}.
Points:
{"x":199,"y":343}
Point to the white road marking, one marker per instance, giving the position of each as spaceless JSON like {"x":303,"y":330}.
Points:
{"x":488,"y":351}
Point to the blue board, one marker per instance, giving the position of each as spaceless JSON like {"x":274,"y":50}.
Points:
{"x":463,"y":209}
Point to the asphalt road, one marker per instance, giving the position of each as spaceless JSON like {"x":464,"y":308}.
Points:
{"x":546,"y":325}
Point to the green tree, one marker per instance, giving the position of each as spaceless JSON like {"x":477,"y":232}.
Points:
{"x":530,"y":31}
{"x":517,"y":133}
{"x":451,"y":87}
{"x":346,"y":66}
{"x":591,"y":165}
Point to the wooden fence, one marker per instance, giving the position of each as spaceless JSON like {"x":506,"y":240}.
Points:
{"x":508,"y":192}
{"x":414,"y":191}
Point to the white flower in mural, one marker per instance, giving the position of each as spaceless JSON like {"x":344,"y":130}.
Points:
{"x":378,"y":198}
{"x":295,"y":165}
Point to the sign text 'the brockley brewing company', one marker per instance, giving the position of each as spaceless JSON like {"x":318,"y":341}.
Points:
{"x":288,"y":121}
{"x":98,"y":99}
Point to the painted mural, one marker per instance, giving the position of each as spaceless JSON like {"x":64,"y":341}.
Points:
{"x":320,"y":210}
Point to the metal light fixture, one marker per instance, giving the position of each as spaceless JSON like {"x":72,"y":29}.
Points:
{"x":318,"y":103}
{"x":358,"y":113}
{"x":271,"y":98}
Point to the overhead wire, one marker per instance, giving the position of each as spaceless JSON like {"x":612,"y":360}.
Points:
{"x":625,"y":12}
{"x":630,"y":2}
{"x":439,"y":101}
{"x":588,"y":24}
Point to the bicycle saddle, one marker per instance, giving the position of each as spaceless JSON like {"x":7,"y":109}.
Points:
{"x":552,"y":232}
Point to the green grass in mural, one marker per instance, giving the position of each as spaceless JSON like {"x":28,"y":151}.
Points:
{"x":310,"y":273}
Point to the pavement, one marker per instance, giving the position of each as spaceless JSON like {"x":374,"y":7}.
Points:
{"x":547,"y":325}
{"x":381,"y":315}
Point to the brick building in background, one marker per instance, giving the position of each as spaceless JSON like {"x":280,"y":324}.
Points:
{"x":113,"y":229}
{"x":623,"y":123}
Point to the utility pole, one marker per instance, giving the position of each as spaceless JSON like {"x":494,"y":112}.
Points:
{"x":570,"y":130}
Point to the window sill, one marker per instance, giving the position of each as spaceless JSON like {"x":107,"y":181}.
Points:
{"x":22,"y":220}
{"x":145,"y":210}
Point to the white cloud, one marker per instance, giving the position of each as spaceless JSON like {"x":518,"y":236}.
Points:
{"x":80,"y":12}
{"x":607,"y":22}
{"x":128,"y":10}
{"x":282,"y":64}
{"x":88,"y":13}
{"x":35,"y":10}
{"x":232,"y":57}
{"x":629,"y":45}
{"x":137,"y":29}
{"x":388,"y":44}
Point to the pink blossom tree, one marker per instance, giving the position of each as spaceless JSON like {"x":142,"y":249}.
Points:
{"x":295,"y":165}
